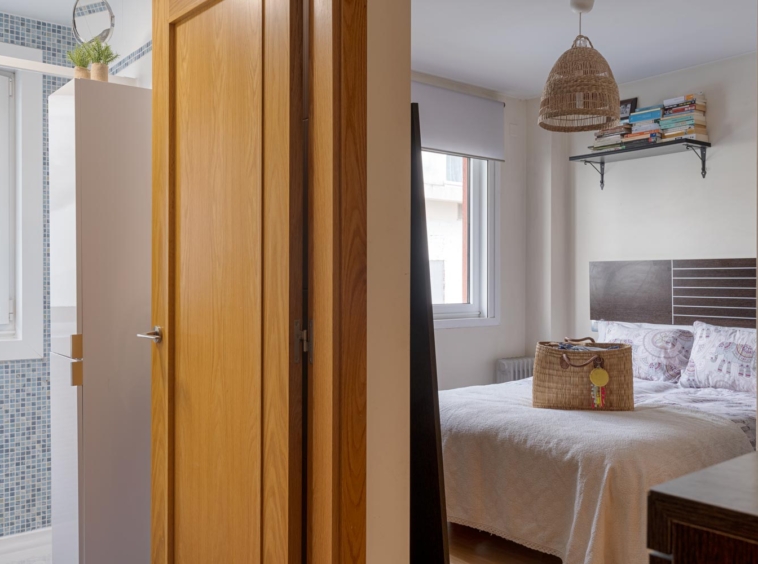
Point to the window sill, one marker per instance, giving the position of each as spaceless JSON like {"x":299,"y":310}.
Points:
{"x":461,"y":323}
{"x":12,"y":348}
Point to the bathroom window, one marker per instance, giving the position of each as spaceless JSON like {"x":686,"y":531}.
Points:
{"x":21,"y":210}
{"x":7,"y":203}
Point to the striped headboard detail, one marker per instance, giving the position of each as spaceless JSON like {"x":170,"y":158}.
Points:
{"x":679,"y":292}
{"x":719,"y":292}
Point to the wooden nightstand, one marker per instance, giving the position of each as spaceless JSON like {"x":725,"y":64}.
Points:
{"x":708,"y":517}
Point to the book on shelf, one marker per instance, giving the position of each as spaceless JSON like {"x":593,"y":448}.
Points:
{"x":682,"y":123}
{"x":613,"y":131}
{"x":692,"y":137}
{"x":698,"y":98}
{"x":648,"y":108}
{"x":605,"y":141}
{"x":686,"y":130}
{"x":648,"y":136}
{"x":645,"y":142}
{"x":676,"y":110}
{"x":642,"y":135}
{"x":702,"y":103}
{"x":683,"y":115}
{"x":641,"y":143}
{"x":692,"y":116}
{"x":646,"y":127}
{"x":648,"y":115}
{"x":644,"y":123}
{"x":615,"y":147}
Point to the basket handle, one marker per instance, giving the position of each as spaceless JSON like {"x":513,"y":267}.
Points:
{"x":569,"y":340}
{"x":566,"y":362}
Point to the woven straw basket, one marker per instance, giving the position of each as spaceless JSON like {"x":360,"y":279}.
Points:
{"x":562,"y":378}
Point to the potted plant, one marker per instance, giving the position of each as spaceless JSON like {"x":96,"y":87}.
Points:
{"x":80,"y":57}
{"x":101,"y":55}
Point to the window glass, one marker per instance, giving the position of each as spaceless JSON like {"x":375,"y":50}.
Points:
{"x":460,"y":228}
{"x":446,"y":186}
{"x":7,"y":216}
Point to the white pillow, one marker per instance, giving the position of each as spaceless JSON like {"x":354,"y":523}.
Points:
{"x":722,"y":357}
{"x":658,"y":353}
{"x":602,"y":327}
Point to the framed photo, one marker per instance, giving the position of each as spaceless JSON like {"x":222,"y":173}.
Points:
{"x":628,"y":107}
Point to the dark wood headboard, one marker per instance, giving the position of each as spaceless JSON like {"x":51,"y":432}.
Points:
{"x":675,"y":292}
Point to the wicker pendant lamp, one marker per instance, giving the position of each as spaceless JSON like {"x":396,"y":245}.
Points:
{"x":581,"y":93}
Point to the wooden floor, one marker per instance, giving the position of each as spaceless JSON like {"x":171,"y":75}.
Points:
{"x":469,"y":546}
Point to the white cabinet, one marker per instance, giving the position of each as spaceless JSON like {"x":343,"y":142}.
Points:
{"x":100,"y":256}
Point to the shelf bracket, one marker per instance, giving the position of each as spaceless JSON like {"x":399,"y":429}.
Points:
{"x":700,"y":153}
{"x":600,"y":171}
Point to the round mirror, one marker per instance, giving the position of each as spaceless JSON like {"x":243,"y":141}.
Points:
{"x":93,"y":19}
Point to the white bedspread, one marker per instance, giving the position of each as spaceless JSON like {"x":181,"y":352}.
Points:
{"x":574,"y":483}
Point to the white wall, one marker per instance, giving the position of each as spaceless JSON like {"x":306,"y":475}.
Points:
{"x":142,"y":70}
{"x":548,"y":236}
{"x":467,"y":356}
{"x":134,"y":20}
{"x":133,"y":25}
{"x":388,"y":307}
{"x":660,"y":207}
{"x":655,"y":208}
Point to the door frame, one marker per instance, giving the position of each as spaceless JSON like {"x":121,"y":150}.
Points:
{"x":337,"y":178}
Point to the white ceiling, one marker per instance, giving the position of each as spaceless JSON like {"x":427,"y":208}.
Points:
{"x":511,"y":45}
{"x":54,"y":11}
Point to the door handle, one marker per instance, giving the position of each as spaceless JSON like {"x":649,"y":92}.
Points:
{"x":156,"y":335}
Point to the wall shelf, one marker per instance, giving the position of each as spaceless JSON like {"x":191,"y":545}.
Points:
{"x":13,"y":64}
{"x":599,"y":160}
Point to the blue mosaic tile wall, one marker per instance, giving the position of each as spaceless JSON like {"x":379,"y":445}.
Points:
{"x":132,"y":58}
{"x":89,"y":9}
{"x":25,"y":385}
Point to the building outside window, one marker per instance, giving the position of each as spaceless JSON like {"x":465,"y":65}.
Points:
{"x":460,"y":224}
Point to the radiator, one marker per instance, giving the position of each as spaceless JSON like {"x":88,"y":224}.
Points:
{"x":511,"y":369}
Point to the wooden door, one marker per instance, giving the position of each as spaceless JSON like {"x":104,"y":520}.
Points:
{"x":227,"y":281}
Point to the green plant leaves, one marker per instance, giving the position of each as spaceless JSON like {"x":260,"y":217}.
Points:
{"x":101,"y":52}
{"x":80,"y":56}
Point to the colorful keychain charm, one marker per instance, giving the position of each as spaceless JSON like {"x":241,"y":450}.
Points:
{"x":599,"y":378}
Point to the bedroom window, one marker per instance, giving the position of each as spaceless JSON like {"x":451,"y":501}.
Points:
{"x":460,"y":224}
{"x":7,"y":203}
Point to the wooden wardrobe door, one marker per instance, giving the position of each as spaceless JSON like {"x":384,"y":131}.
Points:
{"x":227,"y":281}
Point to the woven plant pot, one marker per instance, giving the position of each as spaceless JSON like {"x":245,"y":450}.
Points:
{"x":81,"y":72}
{"x":581,"y":93}
{"x":100,"y":72}
{"x":562,"y":378}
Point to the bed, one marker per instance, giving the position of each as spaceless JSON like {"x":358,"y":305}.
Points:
{"x":574,"y":483}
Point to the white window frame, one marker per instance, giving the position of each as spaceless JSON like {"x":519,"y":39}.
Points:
{"x":7,"y":205}
{"x":26,"y":340}
{"x":484,"y":307}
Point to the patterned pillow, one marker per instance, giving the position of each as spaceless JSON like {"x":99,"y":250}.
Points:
{"x":722,"y":357}
{"x":657,"y":354}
